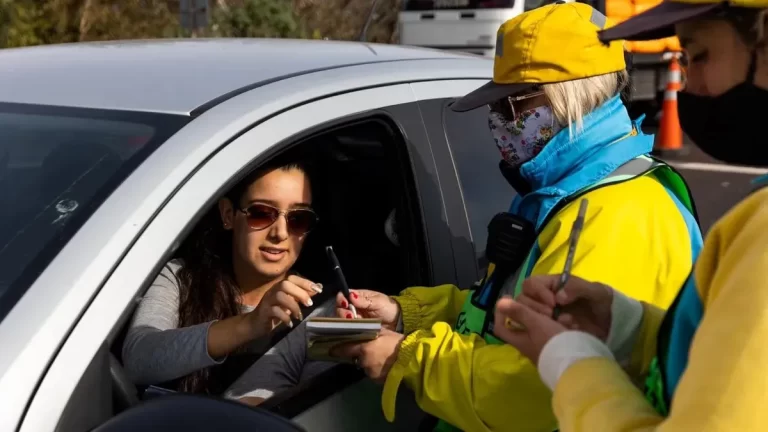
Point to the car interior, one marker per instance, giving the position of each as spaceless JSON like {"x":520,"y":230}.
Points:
{"x":361,"y":177}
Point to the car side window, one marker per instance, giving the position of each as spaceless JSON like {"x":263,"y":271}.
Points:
{"x":368,"y":173}
{"x":364,"y":193}
{"x":476,"y":158}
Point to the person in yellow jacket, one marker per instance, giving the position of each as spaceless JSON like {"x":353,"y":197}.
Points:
{"x":701,"y":364}
{"x":563,"y":133}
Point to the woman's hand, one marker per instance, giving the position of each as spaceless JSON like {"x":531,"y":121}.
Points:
{"x":376,"y":357}
{"x":281,"y":303}
{"x":370,"y":304}
{"x":584,"y":305}
{"x":527,"y":324}
{"x":277,"y":306}
{"x":524,"y":328}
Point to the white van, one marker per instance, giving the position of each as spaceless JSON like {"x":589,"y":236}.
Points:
{"x":458,"y":25}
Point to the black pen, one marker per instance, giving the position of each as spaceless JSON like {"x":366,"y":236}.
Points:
{"x":578,"y":224}
{"x":342,"y":280}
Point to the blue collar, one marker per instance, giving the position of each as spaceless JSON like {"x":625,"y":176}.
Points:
{"x":568,"y":163}
{"x":760,"y":181}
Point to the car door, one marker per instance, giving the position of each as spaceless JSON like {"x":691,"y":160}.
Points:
{"x":74,"y":394}
{"x":467,"y":162}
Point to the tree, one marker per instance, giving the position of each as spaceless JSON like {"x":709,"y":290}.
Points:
{"x":126,"y":19}
{"x":256,"y":18}
{"x":22,"y":22}
{"x":35,"y":22}
{"x":344,"y":19}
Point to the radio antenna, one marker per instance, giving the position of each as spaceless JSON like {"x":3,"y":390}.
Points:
{"x":364,"y":31}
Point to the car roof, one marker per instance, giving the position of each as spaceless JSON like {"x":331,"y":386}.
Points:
{"x":175,"y":75}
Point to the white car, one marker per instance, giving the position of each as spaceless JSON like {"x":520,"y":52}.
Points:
{"x":111,"y":153}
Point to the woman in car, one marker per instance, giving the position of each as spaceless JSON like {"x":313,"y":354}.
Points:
{"x":563,"y":134}
{"x":703,"y":361}
{"x":206,"y":317}
{"x":285,"y":365}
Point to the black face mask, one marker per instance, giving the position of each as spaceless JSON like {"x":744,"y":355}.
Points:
{"x":730,"y":127}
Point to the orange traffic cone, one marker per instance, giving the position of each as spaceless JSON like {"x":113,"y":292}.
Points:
{"x":670,"y":133}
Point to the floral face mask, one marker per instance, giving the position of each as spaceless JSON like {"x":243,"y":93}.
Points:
{"x":521,"y":139}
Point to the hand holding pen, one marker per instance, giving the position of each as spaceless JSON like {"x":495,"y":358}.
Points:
{"x":525,"y":322}
{"x":573,"y":241}
{"x":369,"y":304}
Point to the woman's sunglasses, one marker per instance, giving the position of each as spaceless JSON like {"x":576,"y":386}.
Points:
{"x":506,"y":106}
{"x":263,"y":216}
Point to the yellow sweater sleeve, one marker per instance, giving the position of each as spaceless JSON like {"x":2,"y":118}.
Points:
{"x":644,"y":349}
{"x":421,"y":307}
{"x":723,"y":387}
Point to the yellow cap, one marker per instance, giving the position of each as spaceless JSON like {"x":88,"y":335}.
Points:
{"x":659,"y":22}
{"x":552,"y":43}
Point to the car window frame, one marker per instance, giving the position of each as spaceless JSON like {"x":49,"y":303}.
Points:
{"x":111,"y":307}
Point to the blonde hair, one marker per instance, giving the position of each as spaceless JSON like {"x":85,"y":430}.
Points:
{"x":572,"y":100}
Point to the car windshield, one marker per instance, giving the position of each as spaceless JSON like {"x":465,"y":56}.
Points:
{"x":57,"y":165}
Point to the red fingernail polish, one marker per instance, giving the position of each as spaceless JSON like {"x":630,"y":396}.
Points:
{"x":354,"y":295}
{"x":349,"y":315}
{"x":344,"y":304}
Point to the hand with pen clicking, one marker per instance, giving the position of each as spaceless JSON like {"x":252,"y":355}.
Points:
{"x":366,"y":303}
{"x":375,"y":357}
{"x":369,"y":304}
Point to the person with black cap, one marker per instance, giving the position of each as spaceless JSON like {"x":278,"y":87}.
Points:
{"x":563,"y":134}
{"x":701,"y":364}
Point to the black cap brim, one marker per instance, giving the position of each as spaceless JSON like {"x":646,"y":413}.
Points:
{"x":490,"y":92}
{"x":657,"y":22}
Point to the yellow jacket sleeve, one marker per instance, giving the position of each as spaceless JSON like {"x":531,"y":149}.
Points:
{"x":477,"y":386}
{"x":421,"y":307}
{"x":723,"y":387}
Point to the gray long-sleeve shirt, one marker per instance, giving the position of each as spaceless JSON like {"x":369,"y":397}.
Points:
{"x":282,"y":367}
{"x":155,"y":349}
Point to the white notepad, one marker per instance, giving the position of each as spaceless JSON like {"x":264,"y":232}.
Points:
{"x":325,"y":333}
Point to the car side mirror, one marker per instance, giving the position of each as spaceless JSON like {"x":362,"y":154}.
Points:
{"x":195,"y":413}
